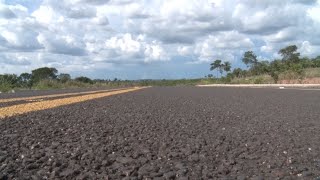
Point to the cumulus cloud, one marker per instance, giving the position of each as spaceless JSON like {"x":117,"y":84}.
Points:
{"x":6,"y":13}
{"x":14,"y":59}
{"x":62,"y":45}
{"x":129,"y":49}
{"x":222,"y":45}
{"x":90,"y":34}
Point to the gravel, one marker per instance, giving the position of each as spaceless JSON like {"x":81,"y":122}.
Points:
{"x":169,"y":133}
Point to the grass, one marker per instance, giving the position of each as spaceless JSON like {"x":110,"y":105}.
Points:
{"x":312,"y":72}
{"x":261,"y":79}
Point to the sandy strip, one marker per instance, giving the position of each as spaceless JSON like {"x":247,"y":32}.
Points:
{"x":36,"y":106}
{"x":55,"y":95}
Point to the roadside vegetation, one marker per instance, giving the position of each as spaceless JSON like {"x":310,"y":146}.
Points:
{"x":291,"y":68}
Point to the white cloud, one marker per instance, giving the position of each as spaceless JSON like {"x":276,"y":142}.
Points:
{"x":45,"y":15}
{"x":75,"y":34}
{"x":154,"y":52}
{"x":184,"y":50}
{"x":222,"y":45}
{"x":125,"y":44}
{"x":67,"y":44}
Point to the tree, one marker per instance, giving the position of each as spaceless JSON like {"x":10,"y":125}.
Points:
{"x":216,"y":65}
{"x":238,"y":72}
{"x":276,"y":67}
{"x":316,"y":61}
{"x":250,"y":59}
{"x":256,"y":67}
{"x":210,"y":75}
{"x":226,"y":66}
{"x":44,"y":73}
{"x":260,"y":68}
{"x":84,"y":79}
{"x":7,"y":82}
{"x":24,"y":80}
{"x":289,"y":54}
{"x":64,"y":77}
{"x":11,"y":79}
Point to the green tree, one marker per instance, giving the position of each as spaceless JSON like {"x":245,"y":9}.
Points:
{"x":261,"y":68}
{"x":226,"y":66}
{"x":64,"y":77}
{"x":84,"y":79}
{"x":316,"y":61}
{"x":250,"y":59}
{"x":8,"y":81}
{"x":276,"y":67}
{"x":216,"y":65}
{"x":210,"y":76}
{"x":289,"y":54}
{"x":24,"y":80}
{"x":238,"y":72}
{"x":44,"y":73}
{"x":307,"y":62}
{"x":12,"y":79}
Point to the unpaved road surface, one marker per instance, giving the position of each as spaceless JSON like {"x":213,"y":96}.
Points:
{"x":169,"y":133}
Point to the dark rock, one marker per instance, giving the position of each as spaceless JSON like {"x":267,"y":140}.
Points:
{"x":2,"y":158}
{"x":241,"y":177}
{"x":306,"y":174}
{"x":194,"y":158}
{"x":169,"y":175}
{"x":182,"y":178}
{"x":179,"y":165}
{"x":67,"y":172}
{"x":32,"y":166}
{"x":3,"y":177}
{"x":257,"y":178}
{"x":182,"y":172}
{"x":124,"y":160}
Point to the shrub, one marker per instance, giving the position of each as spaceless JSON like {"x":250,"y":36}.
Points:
{"x":5,"y":87}
{"x":47,"y":84}
{"x":84,"y":80}
{"x":258,"y":80}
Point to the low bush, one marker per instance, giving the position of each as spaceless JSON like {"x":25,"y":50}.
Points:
{"x":5,"y":87}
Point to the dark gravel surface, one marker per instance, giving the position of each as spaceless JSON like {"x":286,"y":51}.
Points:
{"x":30,"y":93}
{"x":169,"y":133}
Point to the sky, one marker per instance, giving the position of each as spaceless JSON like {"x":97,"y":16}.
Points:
{"x":150,"y":39}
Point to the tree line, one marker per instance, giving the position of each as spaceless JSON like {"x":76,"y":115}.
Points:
{"x":43,"y":75}
{"x":290,"y":62}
